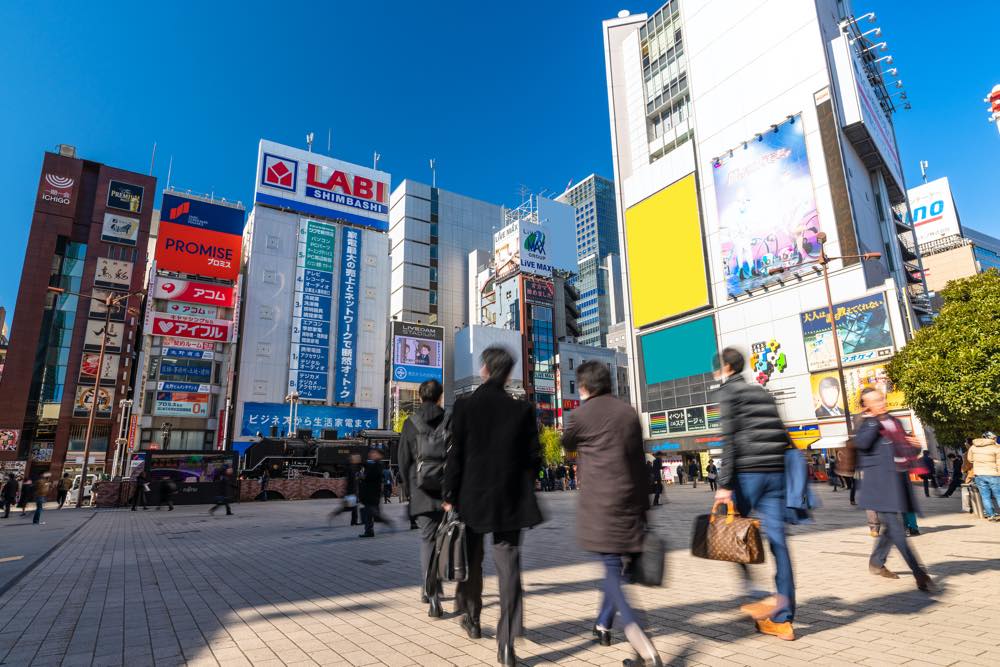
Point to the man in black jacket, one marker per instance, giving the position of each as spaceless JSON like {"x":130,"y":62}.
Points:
{"x":425,"y":507}
{"x":753,"y":464}
{"x":370,"y":492}
{"x":223,"y":489}
{"x":489,"y":479}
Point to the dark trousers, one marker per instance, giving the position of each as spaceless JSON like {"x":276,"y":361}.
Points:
{"x":6,"y":508}
{"x":893,"y":534}
{"x":61,"y":496}
{"x":694,"y":482}
{"x":167,"y":498}
{"x":764,"y":493}
{"x":428,"y":524}
{"x":39,"y":504}
{"x":956,"y":481}
{"x":369,"y":515}
{"x":138,"y":496}
{"x":469,"y":593}
{"x":930,"y":479}
{"x":219,"y":502}
{"x":614,"y":597}
{"x":712,"y":484}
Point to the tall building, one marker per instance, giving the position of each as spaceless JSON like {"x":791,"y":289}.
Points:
{"x":316,"y":295}
{"x":727,"y":170}
{"x":88,"y":238}
{"x":596,"y":217}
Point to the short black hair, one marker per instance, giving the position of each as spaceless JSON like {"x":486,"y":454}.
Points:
{"x":594,"y":377}
{"x":430,"y":391}
{"x":733,"y":358}
{"x":498,"y":362}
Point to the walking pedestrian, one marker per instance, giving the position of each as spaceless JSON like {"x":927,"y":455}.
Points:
{"x":929,"y":477}
{"x":167,"y":489}
{"x":572,"y":477}
{"x":141,"y":489}
{"x":655,"y":482}
{"x":265,"y":479}
{"x":753,"y":464}
{"x":423,"y":445}
{"x":223,"y":490}
{"x":713,"y":474}
{"x":9,"y":494}
{"x":489,"y":480}
{"x":831,"y":473}
{"x":680,"y":474}
{"x":884,"y":455}
{"x":611,"y":516}
{"x":370,"y":491}
{"x":387,"y":484}
{"x":955,"y":465}
{"x":26,"y":494}
{"x":65,"y":484}
{"x":693,"y":472}
{"x":984,"y":459}
{"x":42,"y":489}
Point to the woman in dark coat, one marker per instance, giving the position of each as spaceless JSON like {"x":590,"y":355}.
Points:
{"x":611,"y":516}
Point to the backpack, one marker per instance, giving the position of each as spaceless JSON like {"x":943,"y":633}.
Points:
{"x":432,"y":450}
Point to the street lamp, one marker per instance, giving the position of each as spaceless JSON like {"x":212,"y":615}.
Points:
{"x":110,"y":303}
{"x":824,"y":261}
{"x":293,"y":401}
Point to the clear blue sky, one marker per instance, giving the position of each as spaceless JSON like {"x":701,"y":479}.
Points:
{"x":502,"y":94}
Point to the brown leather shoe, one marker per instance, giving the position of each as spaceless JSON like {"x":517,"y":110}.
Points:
{"x":760,"y":609}
{"x":780,"y":630}
{"x":925,"y":583}
{"x":883,"y":572}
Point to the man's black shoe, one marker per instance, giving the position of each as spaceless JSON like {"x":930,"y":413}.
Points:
{"x":505,"y":655}
{"x":435,"y":611}
{"x":602,"y":636}
{"x":471,"y":628}
{"x":366,"y":534}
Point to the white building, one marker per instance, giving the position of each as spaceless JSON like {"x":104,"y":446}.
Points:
{"x":741,"y":131}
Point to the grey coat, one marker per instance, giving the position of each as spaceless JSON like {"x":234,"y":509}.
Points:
{"x":614,"y":483}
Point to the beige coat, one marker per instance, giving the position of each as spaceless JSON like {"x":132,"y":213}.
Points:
{"x":984,"y":457}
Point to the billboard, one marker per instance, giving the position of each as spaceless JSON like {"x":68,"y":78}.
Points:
{"x":191,"y":310}
{"x":933,"y":211}
{"x":506,"y":256}
{"x":194,"y":292}
{"x":199,"y":252}
{"x":191,"y":387}
{"x":120,"y":229}
{"x":863,"y":329}
{"x":113,"y":273}
{"x":828,"y":396}
{"x":665,"y":247}
{"x":125,"y":196}
{"x":767,"y":208}
{"x":534,"y":253}
{"x":95,"y":334}
{"x":109,"y":370}
{"x":188,"y":371}
{"x":181,"y":404}
{"x":417,"y":352}
{"x":260,"y":417}
{"x":197,"y":328}
{"x":685,"y":420}
{"x":57,"y":189}
{"x":309,"y":360}
{"x":203,"y":215}
{"x":539,"y":291}
{"x":10,"y":438}
{"x":313,"y":184}
{"x":347,"y":317}
{"x":188,"y":353}
{"x":680,"y":351}
{"x":85,"y":398}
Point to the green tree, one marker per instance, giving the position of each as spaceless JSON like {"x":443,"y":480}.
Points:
{"x":551,"y":441}
{"x":399,"y":420}
{"x":950,"y":371}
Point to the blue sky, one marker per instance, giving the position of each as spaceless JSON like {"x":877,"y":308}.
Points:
{"x":501,"y":94}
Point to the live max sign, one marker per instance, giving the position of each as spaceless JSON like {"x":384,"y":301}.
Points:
{"x":194,"y":292}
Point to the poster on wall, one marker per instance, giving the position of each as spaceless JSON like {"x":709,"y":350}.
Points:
{"x":95,"y":334}
{"x":863,"y":329}
{"x":767,"y":208}
{"x":417,"y":352}
{"x":10,"y":438}
{"x":696,"y":419}
{"x":109,"y":371}
{"x":657,"y":423}
{"x":125,"y":196}
{"x":828,"y":395}
{"x":120,"y":229}
{"x":113,"y":273}
{"x":676,"y":421}
{"x":85,"y":398}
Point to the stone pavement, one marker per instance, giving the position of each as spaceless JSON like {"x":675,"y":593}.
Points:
{"x":23,"y":544}
{"x":277,"y":585}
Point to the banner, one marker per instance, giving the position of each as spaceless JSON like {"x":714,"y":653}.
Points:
{"x":767,"y":208}
{"x":198,"y":252}
{"x":189,"y":387}
{"x":417,"y":352}
{"x":347,"y":316}
{"x":113,"y":273}
{"x":181,"y":404}
{"x":186,"y":353}
{"x":209,"y":216}
{"x":309,"y":357}
{"x":260,"y":417}
{"x":863,"y":330}
{"x":193,"y":292}
{"x":179,"y":326}
{"x":120,"y":229}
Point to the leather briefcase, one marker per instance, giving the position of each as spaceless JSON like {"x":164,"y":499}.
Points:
{"x":730,"y":538}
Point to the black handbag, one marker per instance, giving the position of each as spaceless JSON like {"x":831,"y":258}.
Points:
{"x":647,"y":566}
{"x":451,"y":557}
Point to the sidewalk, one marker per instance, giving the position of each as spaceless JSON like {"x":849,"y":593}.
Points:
{"x":23,"y":544}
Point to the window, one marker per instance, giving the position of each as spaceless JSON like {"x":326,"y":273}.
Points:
{"x":432,"y":297}
{"x":572,"y":387}
{"x":571,"y":363}
{"x":434,"y":274}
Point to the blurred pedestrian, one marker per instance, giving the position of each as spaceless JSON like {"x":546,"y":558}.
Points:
{"x":831,"y":473}
{"x":42,"y":489}
{"x":65,"y":484}
{"x":139,"y":494}
{"x":611,"y":516}
{"x":8,"y":495}
{"x":655,"y":482}
{"x":265,"y":479}
{"x":167,"y":489}
{"x":713,"y":474}
{"x":884,"y":456}
{"x":387,"y":483}
{"x":26,"y":494}
{"x":753,"y":461}
{"x":223,"y":491}
{"x":680,"y":474}
{"x":694,"y":470}
{"x":929,"y":477}
{"x":572,"y":477}
{"x":489,"y":480}
{"x":370,"y":491}
{"x":423,"y":448}
{"x":955,"y":466}
{"x":984,"y":460}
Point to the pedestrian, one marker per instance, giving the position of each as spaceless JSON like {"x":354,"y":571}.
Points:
{"x":370,"y":491}
{"x":713,"y":474}
{"x":42,"y":489}
{"x":265,"y":479}
{"x":611,"y":516}
{"x":884,"y":455}
{"x":550,"y":479}
{"x":387,"y":483}
{"x":929,"y":477}
{"x":680,"y":474}
{"x":984,"y":460}
{"x":65,"y":484}
{"x":223,"y":491}
{"x":753,"y":461}
{"x":956,"y":475}
{"x":423,"y":445}
{"x":831,"y":473}
{"x":26,"y":494}
{"x":141,"y":489}
{"x":489,"y":481}
{"x":350,"y":501}
{"x":9,"y":494}
{"x":572,"y":477}
{"x":655,"y":482}
{"x":167,"y":489}
{"x":693,"y":472}
{"x":561,"y":477}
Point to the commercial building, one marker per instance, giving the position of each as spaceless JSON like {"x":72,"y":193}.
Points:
{"x":569,"y":358}
{"x":599,"y":267}
{"x":316,"y":298}
{"x":728,"y":168}
{"x":88,"y":238}
{"x":469,"y":345}
{"x":184,"y":386}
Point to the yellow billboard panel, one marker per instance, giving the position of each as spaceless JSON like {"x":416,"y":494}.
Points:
{"x":666,"y":256}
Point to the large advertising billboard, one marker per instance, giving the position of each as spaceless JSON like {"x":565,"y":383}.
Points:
{"x":933,"y":211}
{"x":417,"y":352}
{"x":863,"y":331}
{"x":345,"y":360}
{"x":189,"y":291}
{"x":828,"y":395}
{"x":309,"y":360}
{"x":206,"y":216}
{"x":109,"y":370}
{"x":197,"y":328}
{"x":261,"y":417}
{"x":121,"y":229}
{"x":665,"y":247}
{"x":534,"y":251}
{"x":125,"y":196}
{"x":767,"y":208}
{"x":199,"y":252}
{"x":313,"y":184}
{"x":181,"y":404}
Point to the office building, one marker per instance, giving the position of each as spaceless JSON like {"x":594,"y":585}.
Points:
{"x":740,"y":133}
{"x":88,"y":239}
{"x":569,"y":358}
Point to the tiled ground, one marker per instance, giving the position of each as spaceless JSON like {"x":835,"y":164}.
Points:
{"x":276,"y":584}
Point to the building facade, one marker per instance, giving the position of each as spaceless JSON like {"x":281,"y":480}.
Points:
{"x":88,"y":238}
{"x":722,"y":207}
{"x":570,"y":356}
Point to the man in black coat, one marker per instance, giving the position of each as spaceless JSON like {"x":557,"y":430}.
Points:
{"x":370,"y":492}
{"x":425,"y":507}
{"x":753,"y":464}
{"x":489,"y":479}
{"x":223,"y":490}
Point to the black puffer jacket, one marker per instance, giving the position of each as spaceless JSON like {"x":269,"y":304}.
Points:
{"x":754,"y":435}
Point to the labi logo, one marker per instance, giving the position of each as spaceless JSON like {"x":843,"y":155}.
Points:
{"x":535,"y":242}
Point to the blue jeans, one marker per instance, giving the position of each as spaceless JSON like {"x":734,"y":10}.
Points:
{"x":39,"y":503}
{"x":989,"y":489}
{"x":614,"y":597}
{"x":764,"y":494}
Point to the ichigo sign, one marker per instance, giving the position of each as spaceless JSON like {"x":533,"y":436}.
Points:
{"x":178,"y":326}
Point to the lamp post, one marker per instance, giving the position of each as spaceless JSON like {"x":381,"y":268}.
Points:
{"x":824,"y":261}
{"x":293,"y":401}
{"x":110,"y":302}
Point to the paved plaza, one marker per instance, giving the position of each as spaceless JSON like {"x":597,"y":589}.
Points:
{"x":277,"y":585}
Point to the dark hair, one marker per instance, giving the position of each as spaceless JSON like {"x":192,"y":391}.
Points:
{"x":594,"y":377}
{"x":498,"y":362}
{"x":865,"y":392}
{"x":832,"y":382}
{"x":430,"y":391}
{"x":733,"y":358}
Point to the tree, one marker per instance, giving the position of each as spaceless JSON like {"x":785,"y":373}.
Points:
{"x":950,"y":371}
{"x":551,"y":441}
{"x":400,"y":419}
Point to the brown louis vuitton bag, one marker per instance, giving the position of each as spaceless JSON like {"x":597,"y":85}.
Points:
{"x":734,"y":539}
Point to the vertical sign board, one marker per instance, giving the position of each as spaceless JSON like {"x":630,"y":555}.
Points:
{"x":309,"y":360}
{"x":347,"y":316}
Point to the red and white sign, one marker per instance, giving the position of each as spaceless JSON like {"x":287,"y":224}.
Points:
{"x":192,"y":309}
{"x":186,"y":344}
{"x":133,"y":423}
{"x":179,"y":326}
{"x":220,"y":431}
{"x":57,"y":189}
{"x":192,"y":292}
{"x":199,"y":252}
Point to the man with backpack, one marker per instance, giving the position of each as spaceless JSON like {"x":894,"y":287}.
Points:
{"x":423,"y":447}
